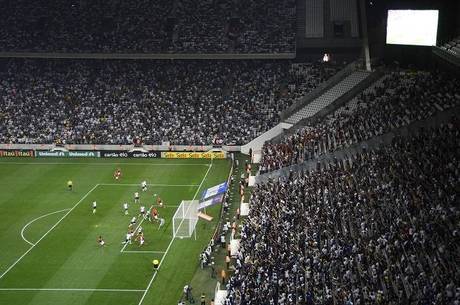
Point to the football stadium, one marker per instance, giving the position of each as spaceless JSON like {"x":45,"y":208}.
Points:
{"x":227,"y":152}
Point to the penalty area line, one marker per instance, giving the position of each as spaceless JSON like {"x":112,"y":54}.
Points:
{"x":73,"y":289}
{"x":47,"y":232}
{"x":142,"y":220}
{"x":135,"y":230}
{"x":172,"y":240}
{"x":143,"y":251}
{"x":153,"y":184}
{"x":103,"y":163}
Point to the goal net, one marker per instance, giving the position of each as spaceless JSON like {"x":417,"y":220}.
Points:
{"x":185,"y":218}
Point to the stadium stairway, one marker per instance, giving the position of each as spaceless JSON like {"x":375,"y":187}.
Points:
{"x":448,"y":55}
{"x":347,"y":102}
{"x":257,"y":143}
{"x":328,"y":97}
{"x":452,"y":47}
{"x":331,"y":82}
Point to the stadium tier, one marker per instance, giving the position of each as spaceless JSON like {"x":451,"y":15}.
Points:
{"x":396,"y":100}
{"x":229,"y":152}
{"x":380,"y":227}
{"x":183,"y":102}
{"x":453,"y":47}
{"x":142,"y":26}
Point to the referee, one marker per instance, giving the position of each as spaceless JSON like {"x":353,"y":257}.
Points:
{"x":69,"y":185}
{"x":156,"y":264}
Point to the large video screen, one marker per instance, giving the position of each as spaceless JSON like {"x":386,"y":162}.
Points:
{"x":412,"y":27}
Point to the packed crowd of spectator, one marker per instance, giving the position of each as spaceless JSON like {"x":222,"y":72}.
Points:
{"x":400,"y":99}
{"x":380,"y":227}
{"x":142,"y":26}
{"x":183,"y":102}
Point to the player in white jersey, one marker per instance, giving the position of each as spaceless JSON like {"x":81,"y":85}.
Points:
{"x":162,"y":222}
{"x":141,"y":240}
{"x":94,"y":207}
{"x":101,"y":241}
{"x":136,"y":197}
{"x":144,"y":186}
{"x":128,"y":238}
{"x":142,"y":210}
{"x":133,"y":221}
{"x":125,"y":207}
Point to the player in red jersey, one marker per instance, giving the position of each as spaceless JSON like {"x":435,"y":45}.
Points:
{"x":141,"y":239}
{"x":156,"y":217}
{"x":154,"y":213}
{"x":117,"y":174}
{"x":159,"y":202}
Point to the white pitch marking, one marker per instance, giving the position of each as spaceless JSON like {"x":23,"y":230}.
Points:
{"x":142,"y":220}
{"x":143,"y":251}
{"x":153,"y":184}
{"x":32,"y":221}
{"x":135,"y":230}
{"x":104,"y":163}
{"x":72,"y":289}
{"x":47,"y":232}
{"x":171,"y":242}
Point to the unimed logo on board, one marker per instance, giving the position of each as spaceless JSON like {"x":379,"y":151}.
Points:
{"x":50,"y":153}
{"x":68,"y":154}
{"x":84,"y":154}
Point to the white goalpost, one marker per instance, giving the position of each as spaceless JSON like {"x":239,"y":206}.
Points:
{"x":185,"y":219}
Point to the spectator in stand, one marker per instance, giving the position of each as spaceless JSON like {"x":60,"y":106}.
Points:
{"x":402,"y":98}
{"x":113,"y":102}
{"x":381,"y":227}
{"x":142,"y":26}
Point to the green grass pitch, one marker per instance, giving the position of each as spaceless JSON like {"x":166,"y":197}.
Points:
{"x":48,"y":249}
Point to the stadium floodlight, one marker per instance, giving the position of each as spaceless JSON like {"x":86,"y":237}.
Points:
{"x":185,"y":219}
